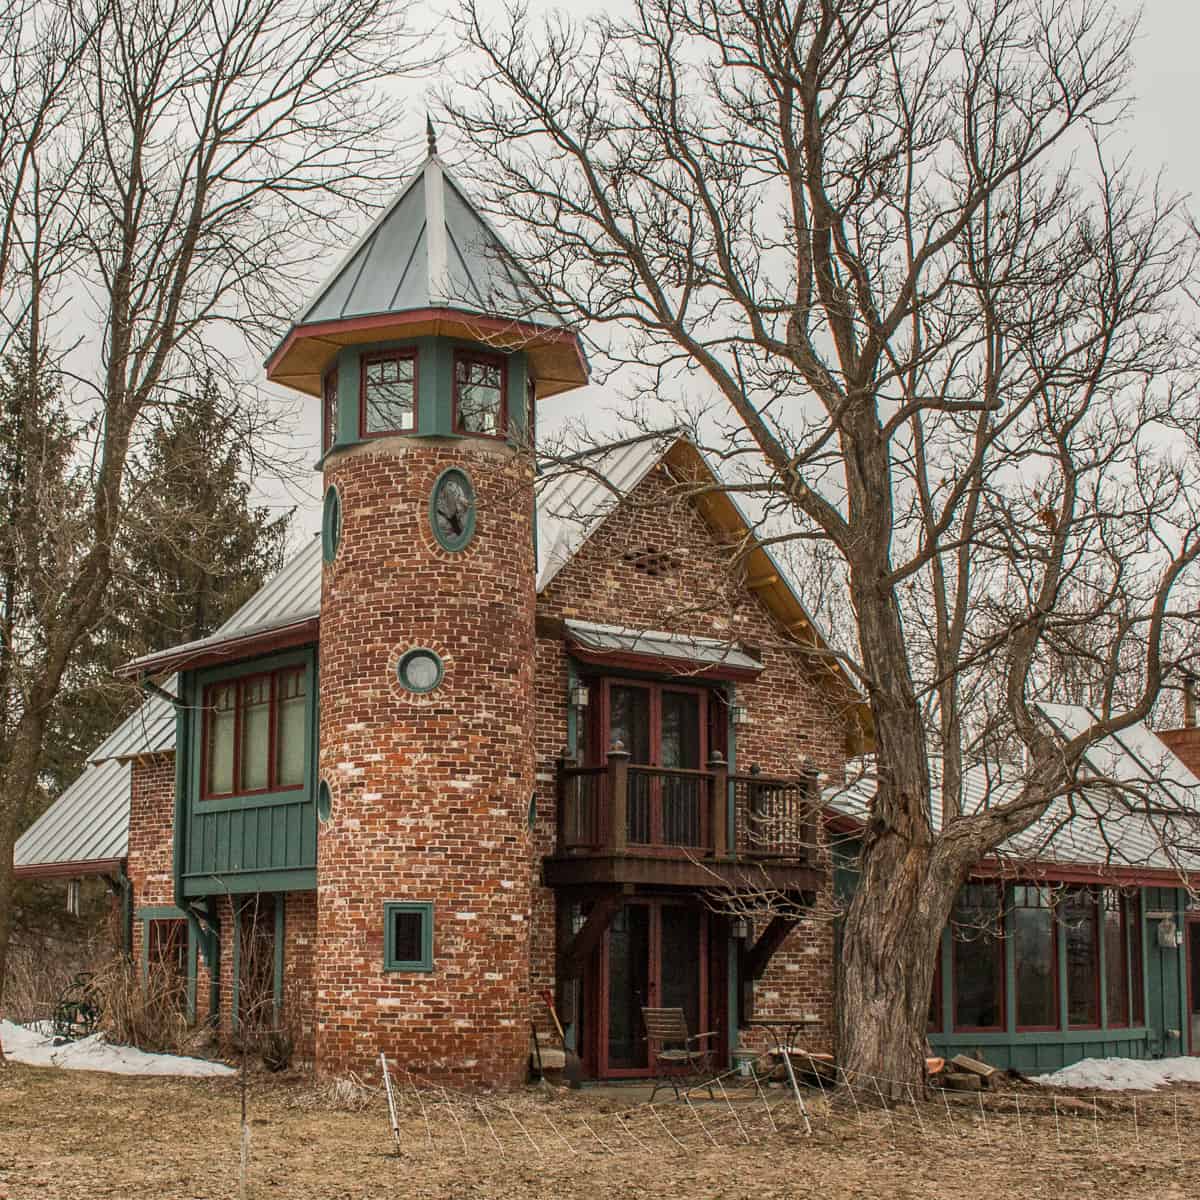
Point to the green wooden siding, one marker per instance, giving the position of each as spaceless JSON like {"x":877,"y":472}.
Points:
{"x":244,"y":844}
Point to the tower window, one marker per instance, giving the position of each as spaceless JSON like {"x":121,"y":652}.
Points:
{"x":389,"y":394}
{"x":480,"y":395}
{"x":255,"y":734}
{"x":407,"y":936}
{"x":329,"y":410}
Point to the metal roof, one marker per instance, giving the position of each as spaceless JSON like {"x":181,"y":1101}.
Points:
{"x":1097,"y":824}
{"x":576,"y":495}
{"x":150,"y":729}
{"x":89,"y":822}
{"x":430,"y":248}
{"x":696,"y":651}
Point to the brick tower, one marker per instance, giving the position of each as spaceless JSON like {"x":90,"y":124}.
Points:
{"x":427,"y":357}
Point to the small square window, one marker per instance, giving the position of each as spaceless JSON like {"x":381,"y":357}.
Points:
{"x":407,"y":936}
{"x":479,"y":395}
{"x":389,"y":394}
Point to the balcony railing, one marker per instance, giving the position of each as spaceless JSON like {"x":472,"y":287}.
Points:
{"x":621,"y":808}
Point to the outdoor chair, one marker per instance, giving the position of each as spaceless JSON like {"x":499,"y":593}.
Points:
{"x":677,"y":1056}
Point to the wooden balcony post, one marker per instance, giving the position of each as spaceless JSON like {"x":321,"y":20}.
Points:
{"x":719,"y":804}
{"x":618,"y":798}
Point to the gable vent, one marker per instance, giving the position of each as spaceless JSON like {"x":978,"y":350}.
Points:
{"x":652,"y":561}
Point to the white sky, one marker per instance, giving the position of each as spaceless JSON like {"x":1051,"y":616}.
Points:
{"x":1161,"y":135}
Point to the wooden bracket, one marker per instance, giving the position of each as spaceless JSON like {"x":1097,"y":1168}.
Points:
{"x":573,"y":957}
{"x":771,"y":938}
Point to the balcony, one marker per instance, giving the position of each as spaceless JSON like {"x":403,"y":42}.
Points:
{"x":624,"y":824}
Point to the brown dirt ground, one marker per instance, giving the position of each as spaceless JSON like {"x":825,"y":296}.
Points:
{"x":74,"y":1134}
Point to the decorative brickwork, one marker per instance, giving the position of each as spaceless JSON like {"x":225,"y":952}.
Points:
{"x":791,"y":718}
{"x":430,"y":791}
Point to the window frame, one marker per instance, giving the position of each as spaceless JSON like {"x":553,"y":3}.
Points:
{"x":1097,"y":974}
{"x":1137,"y":978}
{"x":1001,"y":957}
{"x":1122,"y":912}
{"x":329,"y":402}
{"x":490,"y":359}
{"x":936,"y":1019}
{"x":410,"y":354}
{"x":239,"y":683}
{"x":1056,"y":974}
{"x":423,"y":965}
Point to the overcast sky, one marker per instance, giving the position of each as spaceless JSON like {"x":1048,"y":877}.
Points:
{"x":1161,"y":135}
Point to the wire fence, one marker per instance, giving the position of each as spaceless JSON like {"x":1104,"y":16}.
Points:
{"x":731,"y":1110}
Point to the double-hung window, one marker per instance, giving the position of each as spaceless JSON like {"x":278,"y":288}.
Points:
{"x":480,"y":395}
{"x":254,"y":733}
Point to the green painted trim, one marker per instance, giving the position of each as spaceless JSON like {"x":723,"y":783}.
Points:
{"x":169,"y":912}
{"x":1060,"y":940}
{"x":1181,"y":960}
{"x":290,"y":879}
{"x":946,"y":950}
{"x":324,"y":800}
{"x":424,"y":909}
{"x":161,"y":912}
{"x":1047,"y":1037}
{"x":1010,"y":964}
{"x":420,"y":652}
{"x":184,"y":714}
{"x":453,"y":545}
{"x":572,"y":711}
{"x":277,"y":981}
{"x":331,"y":523}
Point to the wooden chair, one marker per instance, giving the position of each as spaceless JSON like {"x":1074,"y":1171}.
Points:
{"x":677,"y":1056}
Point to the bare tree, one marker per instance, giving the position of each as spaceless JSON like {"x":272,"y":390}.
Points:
{"x":891,"y":238}
{"x":166,"y":169}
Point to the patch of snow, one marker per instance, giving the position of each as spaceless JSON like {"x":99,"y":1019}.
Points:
{"x":1124,"y":1074}
{"x":36,"y":1048}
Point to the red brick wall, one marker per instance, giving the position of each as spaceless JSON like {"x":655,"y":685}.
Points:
{"x":791,"y":717}
{"x":151,"y":816}
{"x":430,"y":793}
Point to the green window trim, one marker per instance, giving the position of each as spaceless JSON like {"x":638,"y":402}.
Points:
{"x":409,"y":657}
{"x":424,"y":910}
{"x":168,"y":912}
{"x":331,"y":523}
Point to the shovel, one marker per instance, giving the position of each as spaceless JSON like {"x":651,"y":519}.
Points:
{"x":572,"y":1067}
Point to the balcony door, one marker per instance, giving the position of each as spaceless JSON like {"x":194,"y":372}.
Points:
{"x":664,"y":728}
{"x":655,"y":955}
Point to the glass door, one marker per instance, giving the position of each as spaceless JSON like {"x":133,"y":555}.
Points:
{"x":655,"y":955}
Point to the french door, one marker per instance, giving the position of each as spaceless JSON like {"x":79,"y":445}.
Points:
{"x":664,"y":728}
{"x":655,"y":955}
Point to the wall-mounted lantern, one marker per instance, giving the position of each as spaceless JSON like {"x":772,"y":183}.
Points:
{"x":741,"y":928}
{"x":740,"y":714}
{"x":579,"y":695}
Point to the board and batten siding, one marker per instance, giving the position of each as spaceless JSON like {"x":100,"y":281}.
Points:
{"x":239,"y":844}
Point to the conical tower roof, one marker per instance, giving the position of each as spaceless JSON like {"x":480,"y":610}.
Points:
{"x":430,"y":264}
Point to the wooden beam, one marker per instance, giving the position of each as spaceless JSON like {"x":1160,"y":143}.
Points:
{"x":761,"y":581}
{"x":771,"y":938}
{"x":573,"y":957}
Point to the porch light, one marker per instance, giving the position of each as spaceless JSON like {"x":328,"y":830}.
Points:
{"x":741,"y":928}
{"x":579,"y":695}
{"x":741,"y":714}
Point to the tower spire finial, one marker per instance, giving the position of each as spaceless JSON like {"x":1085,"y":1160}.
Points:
{"x":430,"y":135}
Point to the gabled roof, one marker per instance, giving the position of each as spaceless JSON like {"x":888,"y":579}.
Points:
{"x":1095,"y":827}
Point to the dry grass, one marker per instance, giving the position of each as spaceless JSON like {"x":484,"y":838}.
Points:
{"x":178,"y":1140}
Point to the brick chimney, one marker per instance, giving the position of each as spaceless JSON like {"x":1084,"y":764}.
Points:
{"x":1185,"y":742}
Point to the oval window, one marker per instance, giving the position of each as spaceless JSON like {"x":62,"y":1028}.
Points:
{"x":420,"y":671}
{"x":331,"y":523}
{"x":324,"y":801}
{"x":452,"y":509}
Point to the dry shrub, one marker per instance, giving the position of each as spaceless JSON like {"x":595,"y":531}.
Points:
{"x":150,"y":1014}
{"x":39,"y":971}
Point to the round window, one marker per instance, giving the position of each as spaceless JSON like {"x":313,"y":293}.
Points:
{"x":420,"y":671}
{"x":331,"y":523}
{"x":452,"y":509}
{"x":324,"y":801}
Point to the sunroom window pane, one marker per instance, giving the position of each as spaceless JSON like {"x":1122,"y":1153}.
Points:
{"x":1116,"y":960}
{"x":388,"y":394}
{"x":256,"y":733}
{"x":978,"y":958}
{"x":1079,"y":919}
{"x":290,"y":729}
{"x":480,"y":395}
{"x":221,"y":720}
{"x":1035,"y":957}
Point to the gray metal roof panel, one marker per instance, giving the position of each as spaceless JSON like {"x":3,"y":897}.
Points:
{"x":150,"y":729}
{"x":87,"y":823}
{"x":293,"y":594}
{"x":698,"y":651}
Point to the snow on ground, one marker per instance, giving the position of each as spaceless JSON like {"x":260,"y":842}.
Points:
{"x":27,"y":1045}
{"x":1124,"y":1074}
